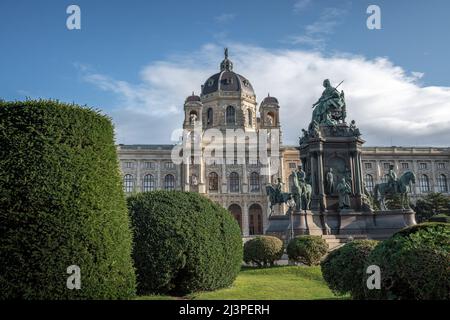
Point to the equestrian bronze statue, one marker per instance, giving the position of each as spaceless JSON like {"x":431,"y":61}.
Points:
{"x":393,"y":187}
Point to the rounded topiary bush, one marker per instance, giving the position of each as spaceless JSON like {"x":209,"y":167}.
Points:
{"x":414,"y":264}
{"x":344,"y":268}
{"x":183,"y":242}
{"x":61,"y":204}
{"x":263,"y":250}
{"x":308,"y":250}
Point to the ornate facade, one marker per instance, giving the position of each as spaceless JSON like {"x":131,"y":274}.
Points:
{"x":228,"y":101}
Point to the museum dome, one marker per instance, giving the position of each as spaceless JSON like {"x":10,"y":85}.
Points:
{"x":193,"y":98}
{"x":227,"y":80}
{"x":269,"y":100}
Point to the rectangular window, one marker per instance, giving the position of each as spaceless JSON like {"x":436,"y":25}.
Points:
{"x":405,"y":165}
{"x":169,"y":165}
{"x":422,"y":165}
{"x":128,"y":165}
{"x":368,"y":165}
{"x":149,"y":165}
{"x":386,"y":165}
{"x":292,"y":165}
{"x":441,"y":165}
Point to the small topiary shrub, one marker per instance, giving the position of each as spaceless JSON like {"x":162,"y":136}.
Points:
{"x":184,"y":243}
{"x":414,"y":264}
{"x":308,"y":250}
{"x":263,"y":250}
{"x":344,"y":268}
{"x":61,"y":204}
{"x":442,"y":217}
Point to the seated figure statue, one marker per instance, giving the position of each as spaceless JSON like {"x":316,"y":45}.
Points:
{"x":330,"y":107}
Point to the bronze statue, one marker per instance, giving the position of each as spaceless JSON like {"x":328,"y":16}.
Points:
{"x":330,"y":108}
{"x":392,"y":179}
{"x":402,"y":187}
{"x":330,"y":181}
{"x":344,"y":190}
{"x":275,"y":194}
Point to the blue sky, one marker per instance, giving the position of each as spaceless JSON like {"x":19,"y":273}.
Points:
{"x":112,"y":62}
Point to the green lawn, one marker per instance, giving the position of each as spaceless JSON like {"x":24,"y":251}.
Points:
{"x":276,"y":283}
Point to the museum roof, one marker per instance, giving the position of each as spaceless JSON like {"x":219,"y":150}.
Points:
{"x":227,"y":80}
{"x":145,"y":146}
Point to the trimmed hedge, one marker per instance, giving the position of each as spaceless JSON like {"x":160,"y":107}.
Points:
{"x":440,"y":218}
{"x":61,"y":204}
{"x":343,"y":269}
{"x":308,"y":250}
{"x":184,"y":243}
{"x":263,"y":250}
{"x":414,"y":264}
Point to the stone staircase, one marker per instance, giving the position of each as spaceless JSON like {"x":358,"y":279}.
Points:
{"x":337,"y":241}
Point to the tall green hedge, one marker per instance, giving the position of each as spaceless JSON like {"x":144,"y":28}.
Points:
{"x":414,"y":264}
{"x":184,"y":243}
{"x":61,"y":204}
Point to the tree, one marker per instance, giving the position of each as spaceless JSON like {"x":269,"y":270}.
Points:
{"x":432,"y":204}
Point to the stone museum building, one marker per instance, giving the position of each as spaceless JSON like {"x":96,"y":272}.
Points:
{"x":228,"y":101}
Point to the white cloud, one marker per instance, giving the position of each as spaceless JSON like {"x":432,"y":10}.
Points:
{"x":386,"y":101}
{"x":225,"y":17}
{"x":315,"y":34}
{"x":300,"y":5}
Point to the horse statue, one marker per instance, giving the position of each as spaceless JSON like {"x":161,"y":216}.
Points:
{"x":276,"y":197}
{"x":403,"y":188}
{"x":301,"y":193}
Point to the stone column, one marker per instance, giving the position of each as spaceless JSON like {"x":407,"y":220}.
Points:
{"x":224,"y":179}
{"x":202,"y":177}
{"x":320,"y":179}
{"x":358,"y":174}
{"x":244,"y":177}
{"x":138,"y":176}
{"x":159,"y":185}
{"x":245,"y":227}
{"x":186,"y":173}
{"x":352,"y":172}
{"x":433,"y":186}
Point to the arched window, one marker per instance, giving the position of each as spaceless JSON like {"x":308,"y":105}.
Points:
{"x":424,"y":183}
{"x":169,"y":182}
{"x":213,"y":181}
{"x":128,"y":183}
{"x":368,"y":180}
{"x":209,"y":116}
{"x":192,"y":117}
{"x":148,"y":184}
{"x":442,"y":183}
{"x":231,"y":115}
{"x":385,"y":179}
{"x":237,"y":213}
{"x":234,"y":182}
{"x":250,"y":117}
{"x":255,"y":224}
{"x":254,"y":182}
{"x":270,"y":119}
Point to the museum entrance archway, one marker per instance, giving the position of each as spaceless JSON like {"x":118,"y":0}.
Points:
{"x":255,"y":219}
{"x":236,"y":211}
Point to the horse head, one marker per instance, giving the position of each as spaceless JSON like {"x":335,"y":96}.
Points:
{"x":408,"y":177}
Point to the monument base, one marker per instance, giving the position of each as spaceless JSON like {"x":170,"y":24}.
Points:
{"x":347,"y":222}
